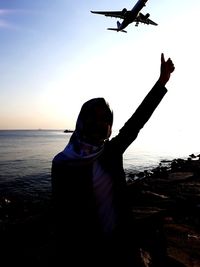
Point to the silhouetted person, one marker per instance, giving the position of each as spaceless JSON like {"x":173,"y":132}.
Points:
{"x":94,"y":220}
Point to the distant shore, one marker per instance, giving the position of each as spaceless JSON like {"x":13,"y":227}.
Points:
{"x":68,"y":131}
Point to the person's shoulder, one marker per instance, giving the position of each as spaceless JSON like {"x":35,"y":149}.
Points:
{"x":112,"y":145}
{"x":59,"y":157}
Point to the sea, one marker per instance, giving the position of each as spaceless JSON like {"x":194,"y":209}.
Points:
{"x":26,"y":156}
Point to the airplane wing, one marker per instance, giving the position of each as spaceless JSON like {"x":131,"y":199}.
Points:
{"x":141,"y":18}
{"x":115,"y":14}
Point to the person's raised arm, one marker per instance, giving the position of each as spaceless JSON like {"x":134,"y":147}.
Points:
{"x":131,"y":128}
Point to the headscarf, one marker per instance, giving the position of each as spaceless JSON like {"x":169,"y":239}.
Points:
{"x":77,"y":148}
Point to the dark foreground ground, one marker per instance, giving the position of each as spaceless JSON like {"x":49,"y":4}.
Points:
{"x":166,"y":205}
{"x":169,"y":197}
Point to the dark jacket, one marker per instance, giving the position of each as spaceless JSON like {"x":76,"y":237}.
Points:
{"x":72,"y":185}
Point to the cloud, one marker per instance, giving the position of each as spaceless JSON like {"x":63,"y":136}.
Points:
{"x":5,"y":18}
{"x":4,"y":24}
{"x":5,"y":12}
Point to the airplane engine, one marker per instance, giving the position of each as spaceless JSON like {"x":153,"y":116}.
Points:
{"x":146,"y":16}
{"x":124,"y":11}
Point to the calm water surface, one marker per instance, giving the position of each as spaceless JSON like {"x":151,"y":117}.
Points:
{"x":26,"y":155}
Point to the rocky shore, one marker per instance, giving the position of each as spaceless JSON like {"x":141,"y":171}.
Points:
{"x":168,"y":197}
{"x":165,"y":203}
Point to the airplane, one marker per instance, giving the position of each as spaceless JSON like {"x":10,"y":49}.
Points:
{"x":128,"y":16}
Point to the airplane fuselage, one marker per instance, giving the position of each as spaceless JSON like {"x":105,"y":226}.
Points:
{"x":131,"y":15}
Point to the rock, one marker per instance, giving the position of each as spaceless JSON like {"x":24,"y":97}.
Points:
{"x":167,"y":201}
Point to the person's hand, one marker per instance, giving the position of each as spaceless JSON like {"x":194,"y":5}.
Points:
{"x":166,"y":68}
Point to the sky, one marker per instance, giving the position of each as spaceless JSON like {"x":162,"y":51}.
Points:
{"x":55,"y":55}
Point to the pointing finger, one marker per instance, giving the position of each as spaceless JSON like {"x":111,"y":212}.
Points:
{"x":162,"y":58}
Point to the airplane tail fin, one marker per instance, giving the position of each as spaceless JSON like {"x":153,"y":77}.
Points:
{"x":118,"y":28}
